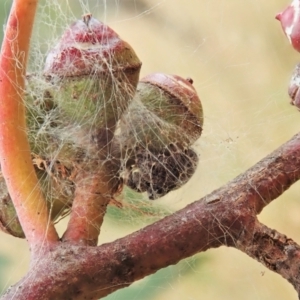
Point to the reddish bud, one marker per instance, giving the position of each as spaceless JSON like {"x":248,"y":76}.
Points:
{"x":156,"y":133}
{"x":98,"y":73}
{"x":180,"y":102}
{"x":293,"y":90}
{"x":88,"y":46}
{"x":290,"y":22}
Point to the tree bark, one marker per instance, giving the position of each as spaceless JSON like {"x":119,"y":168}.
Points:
{"x":227,"y":217}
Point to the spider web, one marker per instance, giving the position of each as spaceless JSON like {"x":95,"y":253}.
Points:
{"x":240,"y":64}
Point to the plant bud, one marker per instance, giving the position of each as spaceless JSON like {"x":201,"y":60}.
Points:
{"x":290,"y":22}
{"x":293,"y":90}
{"x":90,"y":79}
{"x":166,"y":109}
{"x":9,"y":222}
{"x":94,"y":74}
{"x":156,"y":132}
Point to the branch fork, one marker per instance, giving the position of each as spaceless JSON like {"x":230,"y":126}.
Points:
{"x":75,"y":267}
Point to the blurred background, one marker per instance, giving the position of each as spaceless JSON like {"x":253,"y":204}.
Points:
{"x":241,"y":63}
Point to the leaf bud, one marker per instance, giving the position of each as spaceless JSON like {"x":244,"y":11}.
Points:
{"x":290,"y":22}
{"x":155,"y":134}
{"x":94,"y":74}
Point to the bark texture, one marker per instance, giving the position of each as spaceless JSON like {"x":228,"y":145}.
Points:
{"x":227,"y":217}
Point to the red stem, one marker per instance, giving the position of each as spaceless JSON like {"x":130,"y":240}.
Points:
{"x":15,"y":157}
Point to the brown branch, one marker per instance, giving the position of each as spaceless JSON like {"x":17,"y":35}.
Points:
{"x":274,"y":250}
{"x":225,"y":217}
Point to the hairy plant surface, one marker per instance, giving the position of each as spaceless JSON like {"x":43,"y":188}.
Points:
{"x":94,"y":130}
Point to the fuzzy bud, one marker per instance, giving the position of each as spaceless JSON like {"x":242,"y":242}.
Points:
{"x":177,"y":102}
{"x":165,"y":106}
{"x":155,"y":134}
{"x":89,"y":46}
{"x":90,"y":78}
{"x":94,"y":74}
